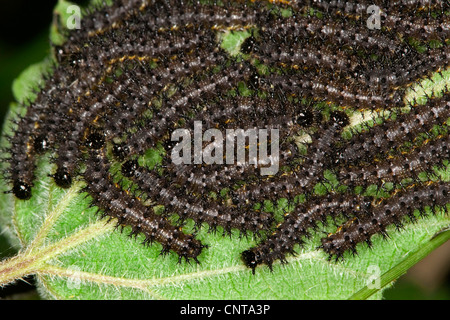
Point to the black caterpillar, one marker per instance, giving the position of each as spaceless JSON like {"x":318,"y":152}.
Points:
{"x":390,"y":211}
{"x":138,"y":70}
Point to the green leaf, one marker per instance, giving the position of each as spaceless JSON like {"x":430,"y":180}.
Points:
{"x":75,"y":255}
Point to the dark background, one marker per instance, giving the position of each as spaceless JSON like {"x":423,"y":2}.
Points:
{"x":24,"y":30}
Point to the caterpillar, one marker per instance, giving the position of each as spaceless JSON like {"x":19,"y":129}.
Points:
{"x":306,"y":56}
{"x":388,"y":212}
{"x":300,"y":29}
{"x":421,"y":118}
{"x":400,"y":167}
{"x":308,"y":86}
{"x":298,"y":226}
{"x":128,"y":210}
{"x":200,"y":211}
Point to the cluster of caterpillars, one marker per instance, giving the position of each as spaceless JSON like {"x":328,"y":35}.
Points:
{"x":137,"y":70}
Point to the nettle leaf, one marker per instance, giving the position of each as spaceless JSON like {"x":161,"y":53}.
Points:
{"x":75,"y":255}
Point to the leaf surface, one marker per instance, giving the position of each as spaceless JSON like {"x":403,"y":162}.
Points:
{"x":74,"y":255}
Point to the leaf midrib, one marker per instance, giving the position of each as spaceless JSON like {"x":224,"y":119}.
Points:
{"x":34,"y":257}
